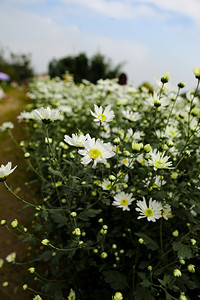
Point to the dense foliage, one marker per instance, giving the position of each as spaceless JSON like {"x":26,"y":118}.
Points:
{"x":17,"y":66}
{"x":82,"y":67}
{"x":118,"y":213}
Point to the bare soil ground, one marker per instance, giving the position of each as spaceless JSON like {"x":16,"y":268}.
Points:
{"x":15,"y":275}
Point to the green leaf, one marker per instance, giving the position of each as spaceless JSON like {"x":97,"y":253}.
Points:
{"x":151,"y":244}
{"x":89,"y":213}
{"x":184,"y":251}
{"x":56,"y":173}
{"x":44,"y":214}
{"x":117,"y":280}
{"x":59,"y":218}
{"x":144,"y":294}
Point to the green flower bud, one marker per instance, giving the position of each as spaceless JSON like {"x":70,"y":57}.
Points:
{"x":175,"y":233}
{"x":27,"y":155}
{"x":104,"y":255}
{"x":118,"y":296}
{"x":25,"y":286}
{"x":191,"y":268}
{"x":177,"y":273}
{"x":165,"y":78}
{"x":14,"y":223}
{"x":197,"y":72}
{"x":181,"y":85}
{"x":73,"y":214}
{"x":3,"y":222}
{"x":45,"y":242}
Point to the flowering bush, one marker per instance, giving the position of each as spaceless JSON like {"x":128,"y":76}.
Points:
{"x":118,"y":216}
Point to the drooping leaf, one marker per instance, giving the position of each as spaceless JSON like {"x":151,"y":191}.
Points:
{"x":183,"y":250}
{"x":116,"y":280}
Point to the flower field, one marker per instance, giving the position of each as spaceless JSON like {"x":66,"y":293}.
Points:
{"x":117,"y":213}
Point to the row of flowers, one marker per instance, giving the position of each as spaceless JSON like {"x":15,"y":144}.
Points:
{"x":110,"y":158}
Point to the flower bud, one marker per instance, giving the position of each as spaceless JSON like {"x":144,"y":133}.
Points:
{"x":141,"y":241}
{"x":76,"y":231}
{"x":193,"y":242}
{"x":31,"y":270}
{"x":3,"y":222}
{"x":118,"y":296}
{"x":147,"y":148}
{"x":182,"y":296}
{"x":177,"y":273}
{"x":45,"y":242}
{"x":14,"y":223}
{"x":73,"y":214}
{"x":104,"y":255}
{"x":175,"y":233}
{"x":197,"y":72}
{"x":27,"y":155}
{"x":25,"y":286}
{"x":181,"y":85}
{"x":165,"y":78}
{"x":191,"y":268}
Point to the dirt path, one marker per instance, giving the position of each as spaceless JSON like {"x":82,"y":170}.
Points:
{"x":9,"y":109}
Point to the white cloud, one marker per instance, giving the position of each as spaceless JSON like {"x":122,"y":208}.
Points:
{"x":45,"y":40}
{"x":114,"y":8}
{"x":130,"y":9}
{"x":190,"y":9}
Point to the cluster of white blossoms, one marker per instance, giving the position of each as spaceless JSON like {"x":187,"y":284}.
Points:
{"x":154,"y":210}
{"x":5,"y":171}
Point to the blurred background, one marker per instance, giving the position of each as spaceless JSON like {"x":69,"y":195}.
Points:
{"x":143,"y":38}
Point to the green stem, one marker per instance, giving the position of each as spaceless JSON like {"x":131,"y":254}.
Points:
{"x":10,"y":190}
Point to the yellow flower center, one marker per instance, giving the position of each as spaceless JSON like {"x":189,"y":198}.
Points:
{"x":102,"y":117}
{"x":95,"y":153}
{"x":159,"y":164}
{"x":124,"y":202}
{"x":163,"y":212}
{"x":148,"y":212}
{"x":108,"y":186}
{"x":124,"y":161}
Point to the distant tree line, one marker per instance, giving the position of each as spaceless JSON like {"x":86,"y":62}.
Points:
{"x":17,"y":66}
{"x":83,"y":67}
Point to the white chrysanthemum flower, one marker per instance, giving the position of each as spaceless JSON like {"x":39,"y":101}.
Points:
{"x":172,"y":131}
{"x":25,"y":115}
{"x":6,"y":125}
{"x":159,"y":161}
{"x":155,"y":101}
{"x":11,"y":257}
{"x":106,"y":184}
{"x":152,"y":212}
{"x":123,"y":200}
{"x":76,"y":140}
{"x":96,"y":151}
{"x":131,"y":116}
{"x":46,"y":115}
{"x":103,"y":116}
{"x":65,"y":109}
{"x":5,"y":171}
{"x":141,"y":159}
{"x":126,"y":161}
{"x":166,"y":211}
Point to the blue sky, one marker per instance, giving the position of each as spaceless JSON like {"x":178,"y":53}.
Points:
{"x":151,"y":37}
